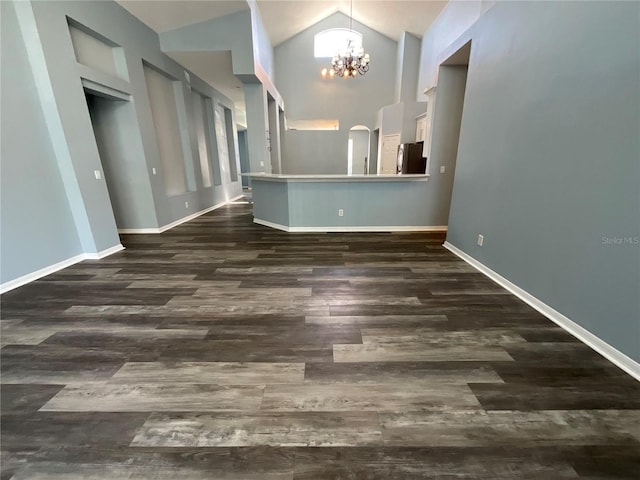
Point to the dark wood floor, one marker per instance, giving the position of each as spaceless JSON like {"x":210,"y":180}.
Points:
{"x":226,"y":350}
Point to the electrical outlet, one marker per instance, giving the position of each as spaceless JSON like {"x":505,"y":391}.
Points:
{"x":340,"y":212}
{"x":186,"y":204}
{"x":153,"y":170}
{"x":262,"y":164}
{"x":442,"y":169}
{"x":97,"y":174}
{"x":480,"y":240}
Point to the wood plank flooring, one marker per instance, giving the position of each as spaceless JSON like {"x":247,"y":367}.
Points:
{"x":222,"y":349}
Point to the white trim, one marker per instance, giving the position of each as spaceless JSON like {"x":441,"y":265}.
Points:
{"x":266,"y":223}
{"x":358,"y":178}
{"x":365,"y":228}
{"x":603,"y":348}
{"x":43,"y":272}
{"x":180,"y":221}
{"x":138,"y":230}
{"x":104,"y":253}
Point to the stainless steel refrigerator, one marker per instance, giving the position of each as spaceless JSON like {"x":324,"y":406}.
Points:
{"x":410,"y":159}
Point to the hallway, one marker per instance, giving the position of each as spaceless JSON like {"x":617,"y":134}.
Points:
{"x":222,"y":349}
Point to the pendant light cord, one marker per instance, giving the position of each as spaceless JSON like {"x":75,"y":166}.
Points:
{"x":351,"y":17}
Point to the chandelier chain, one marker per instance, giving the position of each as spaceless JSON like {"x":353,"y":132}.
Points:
{"x":351,"y":61}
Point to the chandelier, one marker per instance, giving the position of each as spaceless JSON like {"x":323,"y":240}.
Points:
{"x":349,"y":62}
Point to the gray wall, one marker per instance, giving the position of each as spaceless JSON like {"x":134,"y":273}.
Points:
{"x":315,"y":152}
{"x":243,"y":34}
{"x":454,"y":19}
{"x":360,"y":150}
{"x":119,"y":151}
{"x":232,"y":32}
{"x":548,"y":164}
{"x":444,"y":148}
{"x":308,"y":96}
{"x":57,"y":90}
{"x":244,"y":158}
{"x":400,"y":118}
{"x":36,"y":222}
{"x":315,"y":204}
{"x":263,"y":51}
{"x":407,"y":66}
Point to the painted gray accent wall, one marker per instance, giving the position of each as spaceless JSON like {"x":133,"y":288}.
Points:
{"x":164,"y":110}
{"x":37,"y":227}
{"x":548,"y":164}
{"x":444,"y":147}
{"x":51,"y":57}
{"x":315,"y":152}
{"x":360,"y":150}
{"x":273,"y":201}
{"x":409,"y":115}
{"x":244,"y":35}
{"x":454,"y":19}
{"x":244,"y":158}
{"x":119,"y":149}
{"x":257,"y":121}
{"x":263,"y":50}
{"x":316,"y":203}
{"x":389,"y":119}
{"x":95,"y":53}
{"x":309,"y":97}
{"x":364,"y":204}
{"x":400,"y":118}
{"x":407,"y":68}
{"x":58,"y":91}
{"x":232,"y":32}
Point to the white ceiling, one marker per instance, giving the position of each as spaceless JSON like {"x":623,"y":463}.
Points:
{"x":282,"y":19}
{"x":285,"y":18}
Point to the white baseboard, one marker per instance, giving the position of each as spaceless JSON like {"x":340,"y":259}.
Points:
{"x":603,"y":348}
{"x":127,"y":231}
{"x":266,"y":223}
{"x":43,"y":272}
{"x":104,"y":253}
{"x":365,"y":228}
{"x":180,"y":221}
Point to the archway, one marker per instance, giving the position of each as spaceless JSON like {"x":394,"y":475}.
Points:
{"x":358,"y":150}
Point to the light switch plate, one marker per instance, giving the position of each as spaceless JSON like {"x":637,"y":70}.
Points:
{"x":442,"y":169}
{"x":97,"y":174}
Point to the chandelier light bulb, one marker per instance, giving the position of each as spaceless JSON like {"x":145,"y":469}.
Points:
{"x":351,"y":60}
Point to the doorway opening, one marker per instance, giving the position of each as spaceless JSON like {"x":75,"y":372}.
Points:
{"x":245,"y":167}
{"x":374,"y":157}
{"x":273,"y":134}
{"x":388,"y":164}
{"x":447,"y":123}
{"x":358,"y":150}
{"x":113,"y":120}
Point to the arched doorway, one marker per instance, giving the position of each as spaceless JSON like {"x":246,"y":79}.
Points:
{"x":358,"y":150}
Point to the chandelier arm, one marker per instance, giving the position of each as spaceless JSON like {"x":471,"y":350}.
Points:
{"x":352,"y":61}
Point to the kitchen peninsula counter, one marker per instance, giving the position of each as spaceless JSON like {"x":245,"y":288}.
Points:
{"x":341,"y":203}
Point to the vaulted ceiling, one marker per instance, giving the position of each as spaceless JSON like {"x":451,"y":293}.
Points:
{"x":282,"y":19}
{"x":286,"y":18}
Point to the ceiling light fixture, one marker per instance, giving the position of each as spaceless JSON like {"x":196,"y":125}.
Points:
{"x":350,"y":61}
